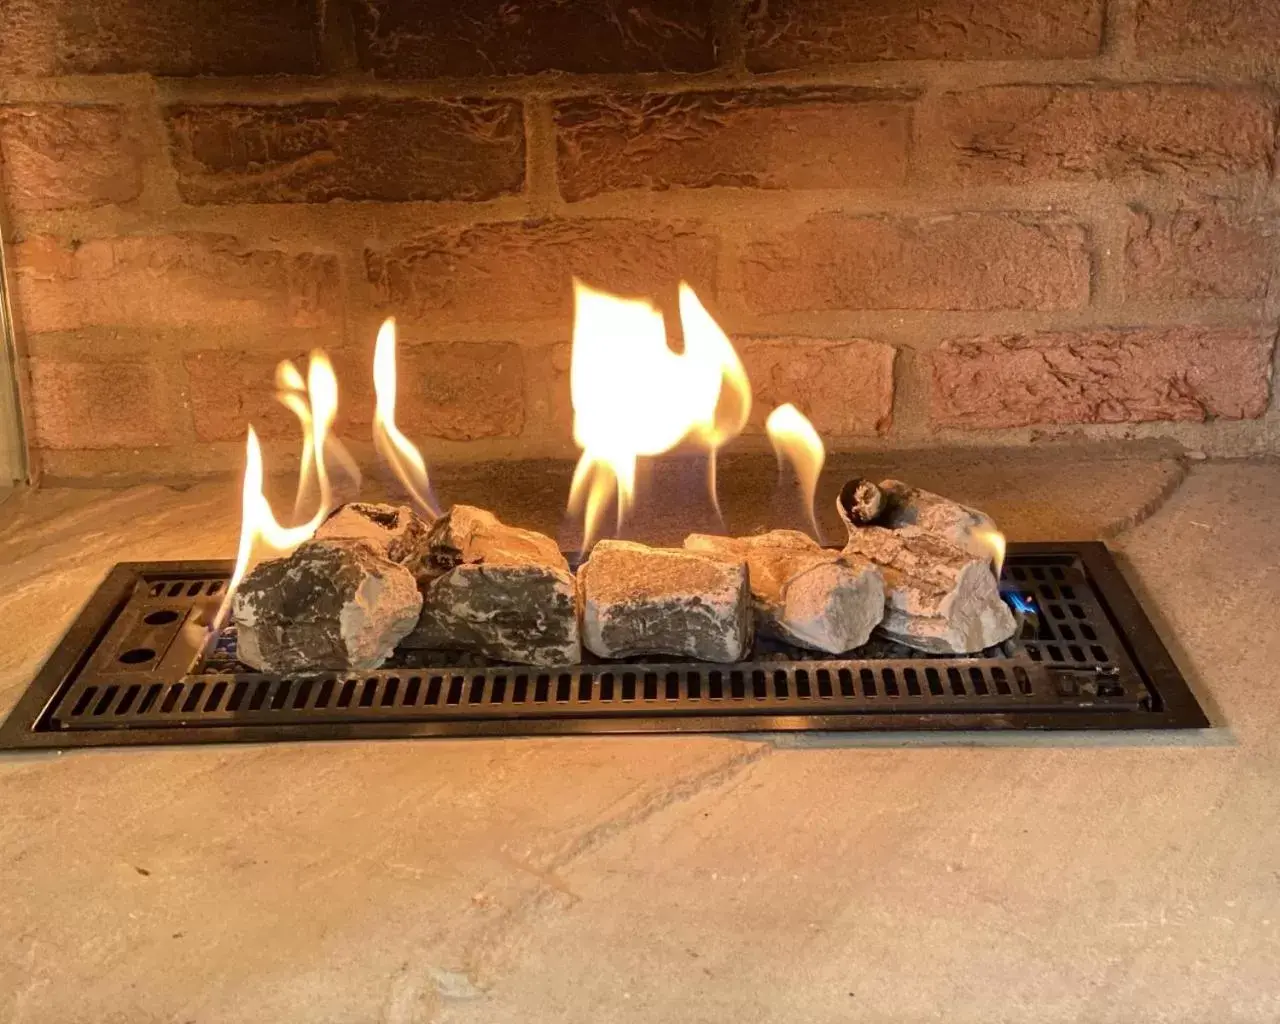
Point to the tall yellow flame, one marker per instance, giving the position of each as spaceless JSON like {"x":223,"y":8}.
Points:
{"x":634,"y":396}
{"x":399,"y":452}
{"x":713,"y":353}
{"x":258,"y":525}
{"x":316,"y":395}
{"x":291,"y":392}
{"x":796,"y":442}
{"x":316,"y":408}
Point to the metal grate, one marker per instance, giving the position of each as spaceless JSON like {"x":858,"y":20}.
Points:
{"x":1086,"y":658}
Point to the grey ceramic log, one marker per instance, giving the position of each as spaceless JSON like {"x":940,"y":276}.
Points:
{"x":496,"y":590}
{"x":803,"y":593}
{"x":332,"y":604}
{"x":939,"y":597}
{"x":394,"y":531}
{"x":640,"y":600}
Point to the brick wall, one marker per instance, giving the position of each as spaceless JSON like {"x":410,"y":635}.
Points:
{"x":960,"y":223}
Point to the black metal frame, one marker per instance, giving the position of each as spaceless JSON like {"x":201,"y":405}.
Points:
{"x":1148,"y":693}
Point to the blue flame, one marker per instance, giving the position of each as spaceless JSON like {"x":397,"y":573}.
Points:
{"x":1025,"y":605}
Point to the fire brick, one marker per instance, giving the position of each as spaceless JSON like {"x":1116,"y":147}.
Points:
{"x":1110,"y":376}
{"x":1026,"y":133}
{"x":774,"y":138}
{"x":799,"y":33}
{"x":969,"y":261}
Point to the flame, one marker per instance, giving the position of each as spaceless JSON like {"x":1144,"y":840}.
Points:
{"x":322,"y":389}
{"x":291,"y":392}
{"x":398,"y":451}
{"x":258,"y":523}
{"x":711,"y":348}
{"x":992,"y":541}
{"x":303,"y":397}
{"x":795,"y":441}
{"x":633,"y":396}
{"x":316,"y":406}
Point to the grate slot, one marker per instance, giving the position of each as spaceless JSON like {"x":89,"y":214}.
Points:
{"x":127,"y":698}
{"x":802,"y":684}
{"x":846,"y":683}
{"x":673,"y":686}
{"x":148,"y":701}
{"x":193,"y":698}
{"x":824,"y":682}
{"x":868,"y":680}
{"x":104,"y":702}
{"x":890,"y":680}
{"x":85,"y":699}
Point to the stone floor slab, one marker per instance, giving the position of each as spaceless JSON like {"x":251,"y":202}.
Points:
{"x":1030,"y":878}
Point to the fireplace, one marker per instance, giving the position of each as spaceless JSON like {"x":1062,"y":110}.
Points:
{"x":865,"y":229}
{"x":1009,"y":261}
{"x":624,"y":234}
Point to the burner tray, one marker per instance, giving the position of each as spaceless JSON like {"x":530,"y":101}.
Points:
{"x":1087,"y":658}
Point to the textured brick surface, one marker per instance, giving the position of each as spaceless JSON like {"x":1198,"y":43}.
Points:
{"x":776,"y":138}
{"x":798,"y":206}
{"x":1199,"y":251}
{"x":844,"y":387}
{"x":1163,"y":26}
{"x":28,"y":37}
{"x":1116,"y":376}
{"x":1036,"y":132}
{"x":358,"y":149}
{"x":163,"y":37}
{"x":105,"y":405}
{"x":56,"y":157}
{"x":231,"y":390}
{"x":461,"y":391}
{"x":971,"y":261}
{"x":799,"y":33}
{"x":513,"y":271}
{"x":408,"y":39}
{"x":185,"y":280}
{"x":549,"y":403}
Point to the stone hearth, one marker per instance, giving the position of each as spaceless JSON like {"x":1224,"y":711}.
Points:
{"x":1020,"y":878}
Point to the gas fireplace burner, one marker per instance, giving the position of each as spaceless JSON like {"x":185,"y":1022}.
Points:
{"x":1086,"y":657}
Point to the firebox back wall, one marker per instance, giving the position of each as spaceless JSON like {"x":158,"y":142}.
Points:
{"x":961,"y":223}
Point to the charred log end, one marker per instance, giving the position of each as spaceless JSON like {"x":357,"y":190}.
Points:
{"x":862,"y":503}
